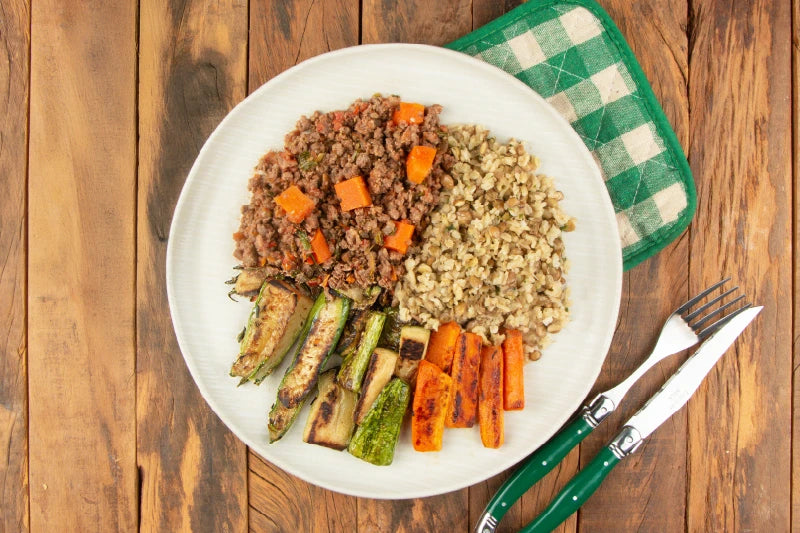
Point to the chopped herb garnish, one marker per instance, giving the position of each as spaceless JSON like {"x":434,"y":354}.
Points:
{"x":306,"y":161}
{"x":304,"y":240}
{"x":451,"y":227}
{"x":241,"y":334}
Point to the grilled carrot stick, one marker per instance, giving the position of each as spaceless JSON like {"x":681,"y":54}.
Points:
{"x":431,"y":399}
{"x":463,"y":408}
{"x":513,"y":377}
{"x":442,"y":346}
{"x":490,"y":397}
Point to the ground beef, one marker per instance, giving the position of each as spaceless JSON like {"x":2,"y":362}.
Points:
{"x":323,"y":150}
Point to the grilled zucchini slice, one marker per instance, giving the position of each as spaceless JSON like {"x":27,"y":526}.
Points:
{"x":379,"y":372}
{"x":327,"y":321}
{"x":353,"y":329}
{"x":281,"y":419}
{"x":354,"y":365}
{"x":248,"y":281}
{"x":274,"y":324}
{"x":375,"y":439}
{"x":390,"y":336}
{"x":413,"y":344}
{"x":330,"y":422}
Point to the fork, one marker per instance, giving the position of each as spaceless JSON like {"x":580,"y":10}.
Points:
{"x":680,"y":332}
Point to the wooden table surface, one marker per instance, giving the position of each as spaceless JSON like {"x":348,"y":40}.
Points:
{"x":105,"y":106}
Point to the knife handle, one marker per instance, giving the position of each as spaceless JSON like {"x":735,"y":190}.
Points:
{"x":575,"y":493}
{"x":534,"y":469}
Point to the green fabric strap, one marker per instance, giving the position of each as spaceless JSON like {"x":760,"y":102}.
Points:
{"x":574,"y":56}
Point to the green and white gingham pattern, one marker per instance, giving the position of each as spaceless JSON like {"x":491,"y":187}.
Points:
{"x":566,"y":53}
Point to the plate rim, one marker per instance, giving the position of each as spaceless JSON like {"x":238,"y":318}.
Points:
{"x":180,"y":206}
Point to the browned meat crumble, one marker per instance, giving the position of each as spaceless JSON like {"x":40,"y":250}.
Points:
{"x":323,"y":150}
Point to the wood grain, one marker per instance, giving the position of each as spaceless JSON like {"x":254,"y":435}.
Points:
{"x":435,"y":23}
{"x":82,"y":266}
{"x":485,"y":11}
{"x":281,"y":502}
{"x":795,"y":515}
{"x":415,"y":21}
{"x":646,"y":492}
{"x":740,"y":101}
{"x":283,"y":34}
{"x":14,"y":72}
{"x":192,"y":71}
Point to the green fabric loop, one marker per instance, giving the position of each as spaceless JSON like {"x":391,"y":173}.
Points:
{"x":574,"y":56}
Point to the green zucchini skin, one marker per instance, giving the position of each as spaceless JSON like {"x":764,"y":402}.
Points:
{"x":274,"y":323}
{"x":353,"y":329}
{"x":327,"y":322}
{"x":281,"y":419}
{"x":390,"y":337}
{"x":379,"y":372}
{"x":330,"y":422}
{"x":353,"y":366}
{"x":376,"y":438}
{"x":249,"y":281}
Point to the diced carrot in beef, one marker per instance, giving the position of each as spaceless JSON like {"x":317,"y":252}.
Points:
{"x":319,"y":246}
{"x":296,"y":204}
{"x":400,"y":240}
{"x":353,"y":193}
{"x":409,"y":113}
{"x":419,"y":163}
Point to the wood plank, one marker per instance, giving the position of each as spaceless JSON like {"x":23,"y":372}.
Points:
{"x":795,"y":515}
{"x":82,"y":188}
{"x":647,"y":491}
{"x":485,"y":11}
{"x":740,"y":99}
{"x":435,"y":23}
{"x":533,"y":501}
{"x":415,"y":21}
{"x":14,"y":72}
{"x":281,"y":502}
{"x":192,"y":71}
{"x":284,"y":33}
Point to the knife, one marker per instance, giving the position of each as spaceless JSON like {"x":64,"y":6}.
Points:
{"x":672,"y":396}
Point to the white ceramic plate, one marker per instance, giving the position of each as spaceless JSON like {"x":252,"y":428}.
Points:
{"x":200,"y":246}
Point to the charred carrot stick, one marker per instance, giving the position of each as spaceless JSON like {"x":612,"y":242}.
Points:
{"x":442,"y":346}
{"x":513,"y":377}
{"x":463,"y":408}
{"x":431,"y":398}
{"x":490,"y":397}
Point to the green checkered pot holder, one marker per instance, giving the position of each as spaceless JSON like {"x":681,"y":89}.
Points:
{"x":573,"y":55}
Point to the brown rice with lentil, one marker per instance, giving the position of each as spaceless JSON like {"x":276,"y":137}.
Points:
{"x":492,"y":256}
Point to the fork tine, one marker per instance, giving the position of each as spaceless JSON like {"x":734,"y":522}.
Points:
{"x":699,"y":310}
{"x":697,"y":325}
{"x":722,"y":321}
{"x":682,"y":309}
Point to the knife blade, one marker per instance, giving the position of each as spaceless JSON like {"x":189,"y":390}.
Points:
{"x":685,"y":382}
{"x":672,"y":396}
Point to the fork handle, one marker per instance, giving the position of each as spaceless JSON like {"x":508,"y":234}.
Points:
{"x":535,"y":467}
{"x":575,"y":493}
